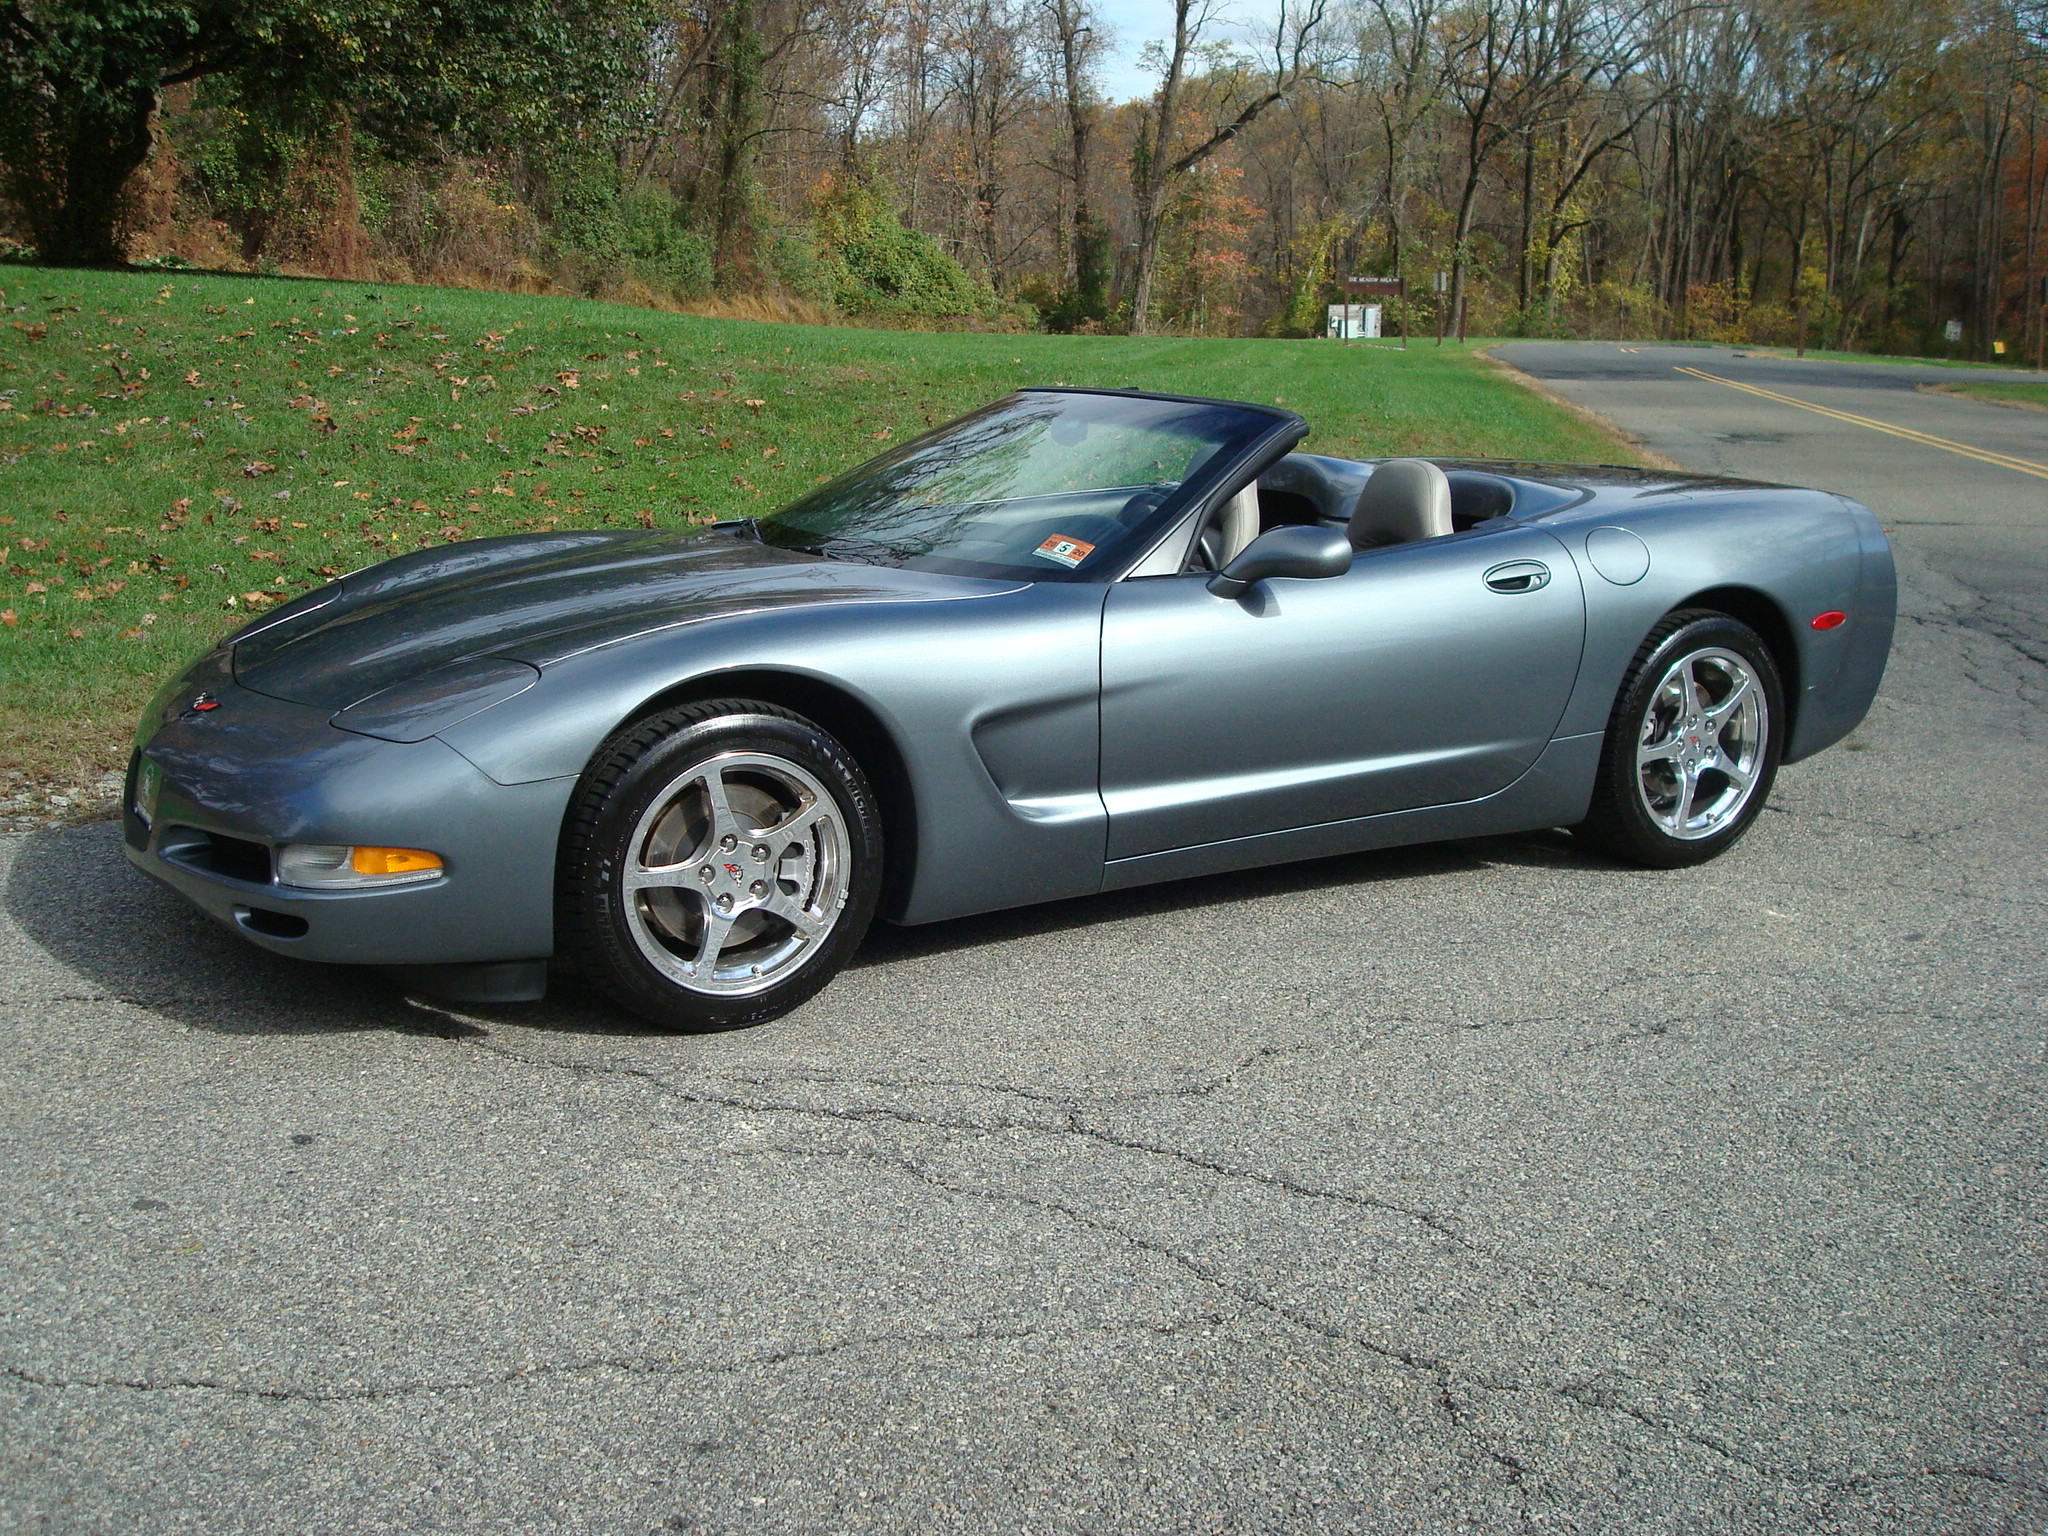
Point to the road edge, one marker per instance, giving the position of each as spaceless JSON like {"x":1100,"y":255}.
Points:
{"x":1956,"y":392}
{"x":1635,"y":447}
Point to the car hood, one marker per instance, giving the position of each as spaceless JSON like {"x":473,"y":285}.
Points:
{"x":537,"y":599}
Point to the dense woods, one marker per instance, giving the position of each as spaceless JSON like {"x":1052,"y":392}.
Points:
{"x":1850,"y":173}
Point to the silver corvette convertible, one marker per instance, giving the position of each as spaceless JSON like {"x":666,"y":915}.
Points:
{"x":1075,"y":641}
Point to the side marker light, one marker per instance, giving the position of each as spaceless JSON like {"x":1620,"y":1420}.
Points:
{"x":1832,"y":619}
{"x":393,"y":861}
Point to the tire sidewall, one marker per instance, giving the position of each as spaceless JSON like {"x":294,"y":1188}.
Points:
{"x":1621,"y":821}
{"x":602,"y":938}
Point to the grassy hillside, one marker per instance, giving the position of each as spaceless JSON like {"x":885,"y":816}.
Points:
{"x":178,"y":450}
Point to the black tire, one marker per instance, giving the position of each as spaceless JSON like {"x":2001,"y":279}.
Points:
{"x":1641,"y":800}
{"x":661,"y":951}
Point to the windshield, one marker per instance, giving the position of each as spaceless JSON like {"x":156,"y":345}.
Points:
{"x":1042,"y":486}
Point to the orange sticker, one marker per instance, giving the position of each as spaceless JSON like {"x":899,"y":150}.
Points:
{"x":1062,"y":550}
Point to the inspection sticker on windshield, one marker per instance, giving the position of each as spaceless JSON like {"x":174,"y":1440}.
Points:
{"x":1062,"y":550}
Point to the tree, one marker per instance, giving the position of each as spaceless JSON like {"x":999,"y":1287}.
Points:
{"x":1408,"y":42}
{"x":80,"y":81}
{"x":988,"y":93}
{"x":1157,"y":159}
{"x":1072,"y":44}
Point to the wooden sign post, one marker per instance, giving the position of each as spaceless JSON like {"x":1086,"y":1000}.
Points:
{"x":1385,"y":287}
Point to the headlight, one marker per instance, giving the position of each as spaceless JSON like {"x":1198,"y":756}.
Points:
{"x":340,"y":867}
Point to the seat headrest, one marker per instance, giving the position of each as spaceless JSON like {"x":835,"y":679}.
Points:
{"x":1405,"y":500}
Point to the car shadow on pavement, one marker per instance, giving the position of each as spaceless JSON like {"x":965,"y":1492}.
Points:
{"x":887,"y":943}
{"x":72,"y":893}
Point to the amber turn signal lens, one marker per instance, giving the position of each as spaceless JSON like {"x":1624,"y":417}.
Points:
{"x":393,"y":861}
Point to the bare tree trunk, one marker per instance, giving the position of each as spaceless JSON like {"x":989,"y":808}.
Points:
{"x":1074,"y":50}
{"x":71,"y":184}
{"x":1149,"y":157}
{"x":1155,"y":167}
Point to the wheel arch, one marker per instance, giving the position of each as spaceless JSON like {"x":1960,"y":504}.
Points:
{"x":1762,"y":613}
{"x":845,"y":716}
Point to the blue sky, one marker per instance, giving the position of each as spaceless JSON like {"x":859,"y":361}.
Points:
{"x":1137,"y":22}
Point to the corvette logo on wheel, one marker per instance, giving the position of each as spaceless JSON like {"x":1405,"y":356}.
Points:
{"x":733,"y":870}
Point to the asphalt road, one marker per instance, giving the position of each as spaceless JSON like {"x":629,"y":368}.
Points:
{"x":1477,"y":1188}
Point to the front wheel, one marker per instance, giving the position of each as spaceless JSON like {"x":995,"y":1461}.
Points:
{"x":1692,"y":745}
{"x":719,"y":864}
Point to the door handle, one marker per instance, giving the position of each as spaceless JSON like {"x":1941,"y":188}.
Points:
{"x":1518,"y":576}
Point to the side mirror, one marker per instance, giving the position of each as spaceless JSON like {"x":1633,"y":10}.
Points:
{"x":1301,"y":552}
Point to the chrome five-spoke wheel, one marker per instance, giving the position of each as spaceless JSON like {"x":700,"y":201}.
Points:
{"x":737,"y":872}
{"x":1691,"y":746}
{"x":1701,"y":741}
{"x":720,"y":861}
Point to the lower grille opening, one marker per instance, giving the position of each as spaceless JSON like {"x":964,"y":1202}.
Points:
{"x":276,"y":925}
{"x":235,"y":858}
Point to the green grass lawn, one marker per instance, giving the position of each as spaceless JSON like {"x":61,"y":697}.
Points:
{"x":2006,"y":392}
{"x":178,"y":450}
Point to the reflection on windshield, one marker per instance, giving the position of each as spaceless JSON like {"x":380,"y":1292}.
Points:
{"x":1046,"y":486}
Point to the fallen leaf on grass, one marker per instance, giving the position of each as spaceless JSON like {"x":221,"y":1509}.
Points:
{"x":10,"y":618}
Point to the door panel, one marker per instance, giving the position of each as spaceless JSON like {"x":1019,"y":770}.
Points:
{"x":1411,"y":681}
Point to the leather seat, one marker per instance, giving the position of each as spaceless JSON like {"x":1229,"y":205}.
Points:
{"x":1405,"y":500}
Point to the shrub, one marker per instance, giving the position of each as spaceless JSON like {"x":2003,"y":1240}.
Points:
{"x":660,"y":244}
{"x":884,"y":266}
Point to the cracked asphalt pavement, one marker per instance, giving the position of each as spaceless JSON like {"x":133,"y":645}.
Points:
{"x":1480,"y":1187}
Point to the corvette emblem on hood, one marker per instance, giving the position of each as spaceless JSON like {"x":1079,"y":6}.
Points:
{"x":201,"y":703}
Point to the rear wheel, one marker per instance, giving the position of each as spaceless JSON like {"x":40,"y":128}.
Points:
{"x":719,"y":864}
{"x":1692,"y":745}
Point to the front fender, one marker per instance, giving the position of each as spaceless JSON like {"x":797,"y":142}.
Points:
{"x":990,"y":701}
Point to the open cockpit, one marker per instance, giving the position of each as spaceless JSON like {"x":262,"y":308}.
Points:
{"x":1379,"y":504}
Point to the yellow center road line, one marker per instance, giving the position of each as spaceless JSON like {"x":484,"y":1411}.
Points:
{"x":1926,"y":439}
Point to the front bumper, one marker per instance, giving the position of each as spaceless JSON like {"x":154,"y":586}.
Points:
{"x":242,"y":780}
